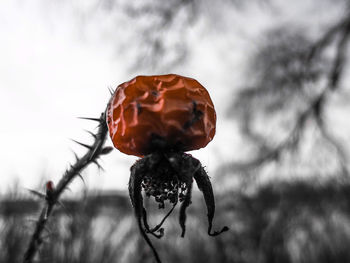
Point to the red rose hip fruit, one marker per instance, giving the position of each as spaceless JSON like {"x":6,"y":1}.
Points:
{"x":159,"y":113}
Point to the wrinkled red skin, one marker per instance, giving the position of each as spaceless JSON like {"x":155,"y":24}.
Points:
{"x":176,"y":109}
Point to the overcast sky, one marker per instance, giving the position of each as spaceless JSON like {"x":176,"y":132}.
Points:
{"x":58,"y":58}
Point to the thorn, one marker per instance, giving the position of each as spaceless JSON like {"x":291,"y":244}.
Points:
{"x":82,"y":178}
{"x":76,"y":157}
{"x":34,"y":192}
{"x":82,"y":144}
{"x":91,"y":133}
{"x":111,"y":91}
{"x":90,"y":119}
{"x":98,"y":165}
{"x":106,"y":150}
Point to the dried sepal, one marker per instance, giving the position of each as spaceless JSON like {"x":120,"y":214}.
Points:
{"x":204,"y":185}
{"x":135,"y":188}
{"x":186,"y":202}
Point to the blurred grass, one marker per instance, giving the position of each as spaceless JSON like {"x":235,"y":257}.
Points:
{"x":280,"y":222}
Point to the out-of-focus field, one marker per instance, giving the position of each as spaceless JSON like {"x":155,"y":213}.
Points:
{"x":283,"y":222}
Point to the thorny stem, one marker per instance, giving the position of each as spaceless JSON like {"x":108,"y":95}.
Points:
{"x":91,"y":156}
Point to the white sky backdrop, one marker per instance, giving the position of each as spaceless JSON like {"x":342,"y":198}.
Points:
{"x":56,"y":65}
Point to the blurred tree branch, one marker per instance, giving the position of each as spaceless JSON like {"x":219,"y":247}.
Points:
{"x":279,"y":82}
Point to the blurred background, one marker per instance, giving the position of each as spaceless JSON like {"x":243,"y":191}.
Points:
{"x":278,"y":74}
